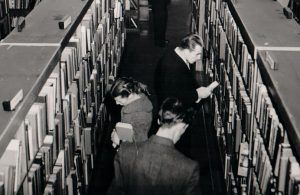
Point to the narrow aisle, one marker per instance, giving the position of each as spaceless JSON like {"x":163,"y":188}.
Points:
{"x":139,"y":62}
{"x":141,"y":55}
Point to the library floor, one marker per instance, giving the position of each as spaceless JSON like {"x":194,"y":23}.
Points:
{"x":139,"y":60}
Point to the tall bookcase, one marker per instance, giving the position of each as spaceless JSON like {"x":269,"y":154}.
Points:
{"x":48,"y":143}
{"x":132,"y":15}
{"x":253,"y":50}
{"x":4,"y":25}
{"x":11,"y":11}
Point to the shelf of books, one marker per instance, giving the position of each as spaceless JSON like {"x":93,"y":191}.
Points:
{"x":253,"y":50}
{"x":195,"y":15}
{"x":4,"y":25}
{"x":11,"y":11}
{"x":53,"y":82}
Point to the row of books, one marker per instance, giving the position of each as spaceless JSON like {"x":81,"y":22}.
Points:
{"x":20,"y":4}
{"x":4,"y":27}
{"x":257,"y":156}
{"x":3,"y":10}
{"x":195,"y":23}
{"x":10,"y":10}
{"x":57,"y":142}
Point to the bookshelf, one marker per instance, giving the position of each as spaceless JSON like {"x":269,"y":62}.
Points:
{"x":132,"y":14}
{"x":255,"y":113}
{"x":4,"y":27}
{"x":294,"y":6}
{"x":37,"y":63}
{"x":47,"y":16}
{"x":283,"y":39}
{"x":195,"y":15}
{"x":53,"y":133}
{"x":251,"y":18}
{"x":284,"y":89}
{"x":11,"y":11}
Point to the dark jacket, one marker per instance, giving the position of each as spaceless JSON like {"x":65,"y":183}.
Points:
{"x":154,"y":167}
{"x":159,"y":3}
{"x":175,"y":79}
{"x":139,"y":115}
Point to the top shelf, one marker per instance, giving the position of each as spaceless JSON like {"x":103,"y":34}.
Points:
{"x":283,"y":84}
{"x":41,"y":24}
{"x":265,"y":31}
{"x":27,"y":58}
{"x":27,"y":68}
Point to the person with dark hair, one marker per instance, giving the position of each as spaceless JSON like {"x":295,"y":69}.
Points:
{"x":160,"y":20}
{"x":137,"y":108}
{"x":174,"y":77}
{"x":155,"y":166}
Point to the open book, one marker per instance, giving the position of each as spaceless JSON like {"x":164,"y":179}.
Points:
{"x":124,"y":131}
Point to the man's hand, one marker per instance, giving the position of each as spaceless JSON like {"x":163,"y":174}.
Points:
{"x":203,"y":92}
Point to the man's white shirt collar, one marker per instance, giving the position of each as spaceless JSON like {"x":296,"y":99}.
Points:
{"x":178,"y":52}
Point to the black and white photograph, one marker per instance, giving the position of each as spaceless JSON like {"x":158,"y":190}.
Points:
{"x":149,"y":97}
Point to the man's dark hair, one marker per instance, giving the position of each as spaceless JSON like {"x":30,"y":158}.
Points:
{"x":190,"y":42}
{"x":172,"y":111}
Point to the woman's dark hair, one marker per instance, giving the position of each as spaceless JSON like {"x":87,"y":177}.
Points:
{"x":190,"y":42}
{"x":125,"y":86}
{"x":172,"y":111}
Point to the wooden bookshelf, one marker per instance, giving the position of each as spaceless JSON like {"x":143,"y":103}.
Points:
{"x":27,"y":68}
{"x":256,"y":107}
{"x":283,"y":85}
{"x":18,"y":12}
{"x":41,"y":24}
{"x":282,"y":40}
{"x":263,"y":25}
{"x":41,"y":30}
{"x":40,"y":57}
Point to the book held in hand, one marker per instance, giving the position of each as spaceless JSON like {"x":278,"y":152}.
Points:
{"x":213,"y":85}
{"x":124,"y":131}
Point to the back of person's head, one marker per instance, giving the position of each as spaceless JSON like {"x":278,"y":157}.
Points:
{"x":172,"y":112}
{"x":125,"y":86}
{"x":190,"y":41}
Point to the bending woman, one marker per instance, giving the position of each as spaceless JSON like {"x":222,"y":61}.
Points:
{"x":137,"y":108}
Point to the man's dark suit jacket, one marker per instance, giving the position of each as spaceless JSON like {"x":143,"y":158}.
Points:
{"x":175,"y":79}
{"x":154,"y":167}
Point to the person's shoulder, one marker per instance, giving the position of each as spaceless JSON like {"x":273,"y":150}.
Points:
{"x":126,"y":145}
{"x":142,"y":104}
{"x":129,"y":146}
{"x":186,"y":160}
{"x":147,"y":102}
{"x":168,"y":54}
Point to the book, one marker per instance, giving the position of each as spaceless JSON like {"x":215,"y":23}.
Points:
{"x":48,"y":93}
{"x":10,"y":166}
{"x":283,"y":168}
{"x":71,"y":183}
{"x":33,"y":130}
{"x":293,"y":175}
{"x":125,"y":131}
{"x":213,"y":85}
{"x":88,"y":140}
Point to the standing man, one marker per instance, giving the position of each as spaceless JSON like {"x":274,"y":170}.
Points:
{"x":155,"y":167}
{"x":174,"y":77}
{"x":160,"y":20}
